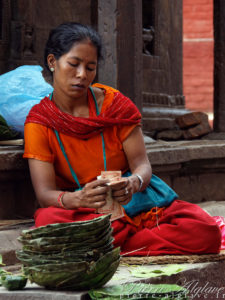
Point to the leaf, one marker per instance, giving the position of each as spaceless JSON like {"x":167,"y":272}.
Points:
{"x":144,"y":272}
{"x":1,"y":261}
{"x":139,"y":291}
{"x":75,"y":275}
{"x":157,"y":271}
{"x":13,"y":282}
{"x":62,"y":229}
{"x":173,"y":269}
{"x":2,"y":272}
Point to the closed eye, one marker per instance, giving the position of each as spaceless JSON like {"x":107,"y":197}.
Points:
{"x":90,"y":69}
{"x":73,"y":65}
{"x":76,"y":65}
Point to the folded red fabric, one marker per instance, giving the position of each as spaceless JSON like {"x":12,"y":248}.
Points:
{"x":221,"y":223}
{"x":181,"y":228}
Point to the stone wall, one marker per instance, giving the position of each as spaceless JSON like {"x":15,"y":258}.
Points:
{"x":194,"y":169}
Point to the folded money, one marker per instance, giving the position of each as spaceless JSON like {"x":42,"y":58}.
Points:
{"x":111,"y":207}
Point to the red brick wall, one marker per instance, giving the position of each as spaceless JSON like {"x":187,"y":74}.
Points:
{"x":198,"y":54}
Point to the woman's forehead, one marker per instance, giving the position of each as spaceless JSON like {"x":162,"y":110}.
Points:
{"x":83,"y":50}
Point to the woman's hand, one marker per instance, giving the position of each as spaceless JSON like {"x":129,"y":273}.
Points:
{"x":93,"y":195}
{"x":123,"y":190}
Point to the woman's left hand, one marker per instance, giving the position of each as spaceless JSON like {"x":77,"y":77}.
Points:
{"x":123,"y":190}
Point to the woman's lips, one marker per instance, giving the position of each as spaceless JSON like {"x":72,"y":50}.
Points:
{"x":78,"y":86}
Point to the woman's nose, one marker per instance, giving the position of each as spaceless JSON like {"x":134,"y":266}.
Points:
{"x":81,"y":72}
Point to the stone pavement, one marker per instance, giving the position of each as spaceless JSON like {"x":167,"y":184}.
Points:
{"x":204,"y":280}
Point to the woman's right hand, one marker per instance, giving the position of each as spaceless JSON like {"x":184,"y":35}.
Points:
{"x":93,"y":195}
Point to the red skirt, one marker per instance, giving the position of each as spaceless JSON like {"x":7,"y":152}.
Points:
{"x":181,"y":228}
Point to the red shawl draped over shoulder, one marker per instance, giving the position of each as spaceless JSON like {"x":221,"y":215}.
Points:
{"x":122,"y":111}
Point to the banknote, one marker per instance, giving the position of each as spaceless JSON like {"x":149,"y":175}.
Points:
{"x":111,"y":206}
{"x":111,"y":175}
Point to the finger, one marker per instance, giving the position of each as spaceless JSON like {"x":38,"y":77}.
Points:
{"x":121,"y":198}
{"x":97,"y":204}
{"x":98,"y":198}
{"x":99,"y":191}
{"x":118,"y":185}
{"x":98,"y":182}
{"x":123,"y":192}
{"x":119,"y":193}
{"x":90,"y":201}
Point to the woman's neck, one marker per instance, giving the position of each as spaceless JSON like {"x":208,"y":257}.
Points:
{"x":77,"y":107}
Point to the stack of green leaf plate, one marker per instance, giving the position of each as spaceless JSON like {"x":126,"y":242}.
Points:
{"x":70,"y":256}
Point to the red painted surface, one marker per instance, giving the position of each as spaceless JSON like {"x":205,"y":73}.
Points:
{"x":198,"y":54}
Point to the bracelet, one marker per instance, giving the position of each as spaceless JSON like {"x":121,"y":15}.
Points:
{"x":141,"y":181}
{"x":60,"y":200}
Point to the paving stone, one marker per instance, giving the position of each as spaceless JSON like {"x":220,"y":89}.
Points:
{"x":214,"y":208}
{"x":8,"y":245}
{"x":34,"y":292}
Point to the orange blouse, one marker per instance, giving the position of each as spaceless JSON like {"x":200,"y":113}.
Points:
{"x":85,"y":156}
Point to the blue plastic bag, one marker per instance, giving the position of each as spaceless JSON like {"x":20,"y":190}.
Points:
{"x":21,"y":89}
{"x":157,"y":194}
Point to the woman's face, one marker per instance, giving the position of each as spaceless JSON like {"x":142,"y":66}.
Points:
{"x":75,"y":70}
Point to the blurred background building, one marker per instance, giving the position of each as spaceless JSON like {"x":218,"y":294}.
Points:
{"x":198,"y":56}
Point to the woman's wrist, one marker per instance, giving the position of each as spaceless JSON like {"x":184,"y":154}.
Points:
{"x":141,"y":181}
{"x":60,"y":201}
{"x":135,"y":182}
{"x":68,"y":200}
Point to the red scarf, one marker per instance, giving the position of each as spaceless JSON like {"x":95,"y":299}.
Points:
{"x":122,"y":111}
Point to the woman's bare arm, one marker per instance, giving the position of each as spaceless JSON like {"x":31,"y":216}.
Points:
{"x":134,"y":148}
{"x":43,"y":178}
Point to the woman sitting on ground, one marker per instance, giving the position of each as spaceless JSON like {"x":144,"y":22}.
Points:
{"x":82,"y":129}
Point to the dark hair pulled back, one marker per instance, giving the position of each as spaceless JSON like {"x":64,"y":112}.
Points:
{"x":62,"y":38}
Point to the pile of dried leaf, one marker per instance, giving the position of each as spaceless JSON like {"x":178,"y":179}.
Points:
{"x":70,"y":256}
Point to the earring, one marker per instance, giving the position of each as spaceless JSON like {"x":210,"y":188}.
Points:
{"x":52,"y":69}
